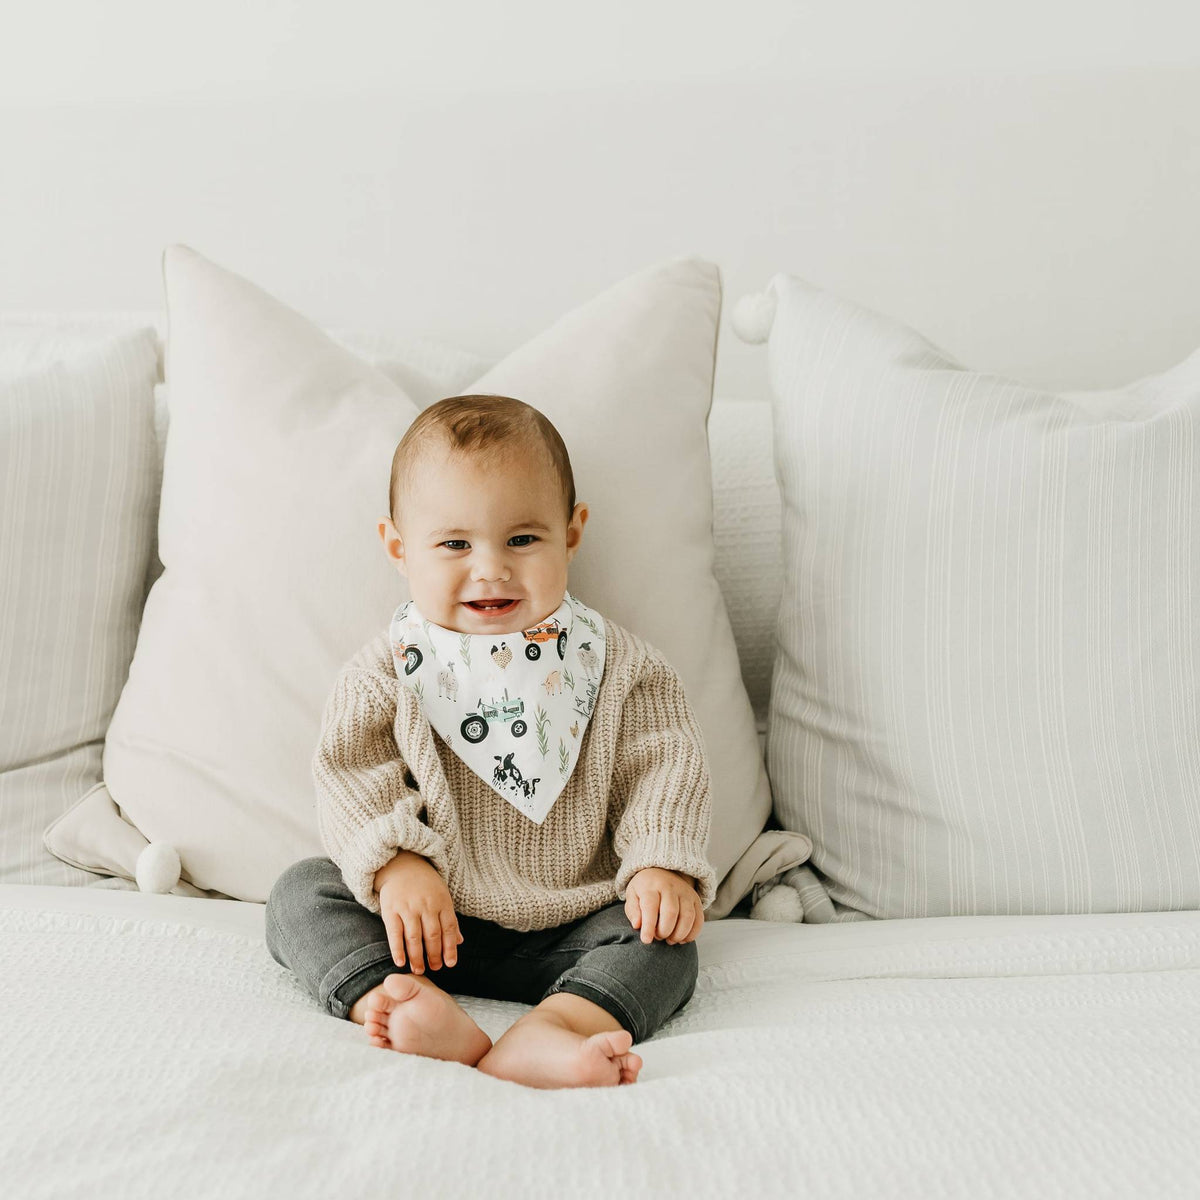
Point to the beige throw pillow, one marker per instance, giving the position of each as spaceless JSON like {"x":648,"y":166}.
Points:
{"x":275,"y":474}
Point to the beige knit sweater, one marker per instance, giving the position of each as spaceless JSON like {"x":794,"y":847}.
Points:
{"x":638,"y":796}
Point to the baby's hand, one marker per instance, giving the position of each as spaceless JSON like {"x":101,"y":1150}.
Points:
{"x":418,"y":913}
{"x":663,"y":904}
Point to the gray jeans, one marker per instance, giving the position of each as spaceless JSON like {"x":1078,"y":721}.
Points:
{"x":338,"y":950}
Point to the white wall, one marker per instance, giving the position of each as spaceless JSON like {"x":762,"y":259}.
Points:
{"x":1020,"y":182}
{"x":135,"y":49}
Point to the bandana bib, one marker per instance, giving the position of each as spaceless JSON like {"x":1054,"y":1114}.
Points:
{"x":512,"y":706}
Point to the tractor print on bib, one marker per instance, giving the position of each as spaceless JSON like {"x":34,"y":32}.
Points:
{"x":409,"y":654}
{"x":475,"y":725}
{"x":547,"y":631}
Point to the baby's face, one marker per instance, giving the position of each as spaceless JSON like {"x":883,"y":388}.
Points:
{"x":469,"y":532}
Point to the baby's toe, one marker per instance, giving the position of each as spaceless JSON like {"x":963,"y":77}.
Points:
{"x":617,"y":1041}
{"x":630,"y":1065}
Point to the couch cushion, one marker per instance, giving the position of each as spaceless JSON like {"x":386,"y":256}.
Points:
{"x":746,"y":517}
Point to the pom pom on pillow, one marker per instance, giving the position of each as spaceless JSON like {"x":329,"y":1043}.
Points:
{"x":780,"y":903}
{"x":158,"y":867}
{"x":753,"y":316}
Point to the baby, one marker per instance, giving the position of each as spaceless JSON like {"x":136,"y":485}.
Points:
{"x":512,"y":789}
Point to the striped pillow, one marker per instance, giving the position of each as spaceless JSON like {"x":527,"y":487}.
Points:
{"x":985,"y":691}
{"x":78,"y":504}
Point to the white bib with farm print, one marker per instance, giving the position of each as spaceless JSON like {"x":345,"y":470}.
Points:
{"x":512,"y":706}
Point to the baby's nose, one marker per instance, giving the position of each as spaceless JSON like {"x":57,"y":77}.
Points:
{"x":489,"y":568}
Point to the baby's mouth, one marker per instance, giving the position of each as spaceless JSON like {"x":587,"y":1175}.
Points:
{"x":497,"y":606}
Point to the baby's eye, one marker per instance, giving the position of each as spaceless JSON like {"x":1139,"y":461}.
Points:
{"x":455,"y":543}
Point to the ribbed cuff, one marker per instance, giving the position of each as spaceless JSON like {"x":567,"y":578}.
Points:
{"x":674,"y":853}
{"x":377,"y":843}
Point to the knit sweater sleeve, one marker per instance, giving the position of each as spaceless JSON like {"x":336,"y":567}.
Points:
{"x":661,"y":804}
{"x":368,"y":803}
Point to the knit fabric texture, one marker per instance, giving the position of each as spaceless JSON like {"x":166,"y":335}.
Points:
{"x":639,"y":795}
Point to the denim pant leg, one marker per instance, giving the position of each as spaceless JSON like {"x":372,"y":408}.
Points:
{"x":339,"y":950}
{"x":330,"y":942}
{"x":641,"y":984}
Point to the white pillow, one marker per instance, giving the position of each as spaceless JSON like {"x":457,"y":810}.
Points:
{"x":276,"y":473}
{"x":985,"y":699}
{"x":78,"y":499}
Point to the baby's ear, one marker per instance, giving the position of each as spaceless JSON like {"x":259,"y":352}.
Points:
{"x":575,"y":527}
{"x":393,"y":546}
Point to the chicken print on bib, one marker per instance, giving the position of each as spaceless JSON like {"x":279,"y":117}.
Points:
{"x":512,"y":706}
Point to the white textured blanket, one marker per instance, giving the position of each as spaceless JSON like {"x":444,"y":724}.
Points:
{"x":152,"y":1047}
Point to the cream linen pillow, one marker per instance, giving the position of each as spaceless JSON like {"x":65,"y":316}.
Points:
{"x":78,"y":498}
{"x":985,"y":696}
{"x":275,"y":475}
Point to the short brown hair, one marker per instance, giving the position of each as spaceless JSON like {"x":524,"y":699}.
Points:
{"x":485,"y":425}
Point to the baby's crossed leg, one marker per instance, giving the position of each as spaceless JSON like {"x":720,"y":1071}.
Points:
{"x":566,"y":1041}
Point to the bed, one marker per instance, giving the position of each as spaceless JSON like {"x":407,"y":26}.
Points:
{"x":844,"y":1039}
{"x":158,"y":1044}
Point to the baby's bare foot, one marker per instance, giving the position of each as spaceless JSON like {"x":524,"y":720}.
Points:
{"x":411,"y":1014}
{"x":540,"y":1052}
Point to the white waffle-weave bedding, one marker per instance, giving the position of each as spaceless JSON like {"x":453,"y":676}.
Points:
{"x":153,"y":1047}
